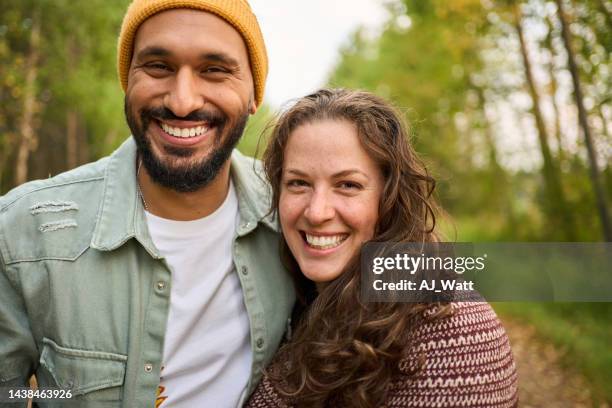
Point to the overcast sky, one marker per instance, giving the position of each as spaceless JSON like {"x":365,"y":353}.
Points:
{"x":303,"y":39}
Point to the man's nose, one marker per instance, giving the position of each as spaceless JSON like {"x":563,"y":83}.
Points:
{"x":185,"y":96}
{"x":320,"y":208}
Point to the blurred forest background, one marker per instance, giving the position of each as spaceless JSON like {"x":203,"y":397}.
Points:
{"x":509,"y":103}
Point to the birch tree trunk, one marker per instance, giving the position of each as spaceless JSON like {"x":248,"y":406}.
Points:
{"x":583,"y":119}
{"x":28,"y":142}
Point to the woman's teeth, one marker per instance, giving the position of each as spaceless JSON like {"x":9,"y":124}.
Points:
{"x":325,"y":242}
{"x":184,"y":132}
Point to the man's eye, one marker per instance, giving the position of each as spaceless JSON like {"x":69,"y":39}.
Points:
{"x":215,"y":69}
{"x":157,"y":66}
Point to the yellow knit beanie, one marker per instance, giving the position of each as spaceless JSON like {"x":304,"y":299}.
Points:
{"x":236,"y":12}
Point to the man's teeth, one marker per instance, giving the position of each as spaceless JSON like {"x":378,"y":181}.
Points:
{"x":184,"y":132}
{"x":325,"y":242}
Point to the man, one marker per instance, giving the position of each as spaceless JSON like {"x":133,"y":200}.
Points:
{"x":151,"y":277}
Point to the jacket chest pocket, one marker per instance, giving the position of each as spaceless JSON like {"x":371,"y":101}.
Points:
{"x":90,"y":375}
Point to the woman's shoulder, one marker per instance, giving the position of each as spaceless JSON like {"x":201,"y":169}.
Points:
{"x":463,"y":359}
{"x":468,"y":324}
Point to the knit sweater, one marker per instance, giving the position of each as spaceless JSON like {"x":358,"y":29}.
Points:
{"x":468,"y":363}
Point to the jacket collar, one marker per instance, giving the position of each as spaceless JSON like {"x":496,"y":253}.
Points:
{"x":121,"y":215}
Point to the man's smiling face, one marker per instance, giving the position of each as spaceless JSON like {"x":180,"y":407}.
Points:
{"x":189,"y":95}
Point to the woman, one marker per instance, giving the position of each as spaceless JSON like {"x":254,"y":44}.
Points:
{"x":343,"y":173}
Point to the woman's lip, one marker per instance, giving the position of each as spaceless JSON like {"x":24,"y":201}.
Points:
{"x":324,"y":234}
{"x":321,"y":252}
{"x":178,"y":141}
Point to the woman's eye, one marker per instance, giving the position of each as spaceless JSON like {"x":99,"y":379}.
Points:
{"x":296,"y":183}
{"x":350,"y":185}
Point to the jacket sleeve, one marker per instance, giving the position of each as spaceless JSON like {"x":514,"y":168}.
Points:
{"x":18,"y":352}
{"x":462,"y":360}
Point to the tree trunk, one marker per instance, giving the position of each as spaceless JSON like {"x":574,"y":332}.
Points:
{"x":83,"y":149}
{"x":487,"y":131}
{"x":72,"y":116}
{"x":5,"y":152}
{"x":582,"y":117}
{"x":72,"y":159}
{"x":553,"y":91}
{"x":27,"y":131}
{"x":500,"y":187}
{"x":605,"y":12}
{"x":604,"y":123}
{"x":561,"y":216}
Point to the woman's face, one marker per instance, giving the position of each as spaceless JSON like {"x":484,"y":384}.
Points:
{"x":329,"y":197}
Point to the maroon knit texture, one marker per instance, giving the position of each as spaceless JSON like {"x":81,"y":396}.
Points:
{"x":468,"y":363}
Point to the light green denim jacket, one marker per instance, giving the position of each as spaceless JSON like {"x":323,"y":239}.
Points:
{"x":84,"y":293}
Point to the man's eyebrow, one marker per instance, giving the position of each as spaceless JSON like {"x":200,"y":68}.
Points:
{"x":152,"y":51}
{"x":218,"y":57}
{"x":221,"y":58}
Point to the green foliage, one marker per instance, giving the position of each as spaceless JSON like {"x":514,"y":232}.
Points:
{"x":75,"y":72}
{"x":433,"y":59}
{"x":253,"y":141}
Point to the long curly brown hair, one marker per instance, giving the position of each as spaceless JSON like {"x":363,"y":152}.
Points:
{"x":345,"y":352}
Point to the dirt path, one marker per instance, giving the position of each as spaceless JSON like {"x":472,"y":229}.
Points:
{"x":543,"y":382}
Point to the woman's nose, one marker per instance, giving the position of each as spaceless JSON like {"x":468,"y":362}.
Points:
{"x":320,"y":208}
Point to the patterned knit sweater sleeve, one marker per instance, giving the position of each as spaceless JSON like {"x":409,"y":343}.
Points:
{"x":464,"y":360}
{"x":467,"y":362}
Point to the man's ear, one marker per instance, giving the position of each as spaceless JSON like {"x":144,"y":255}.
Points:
{"x":252,"y":104}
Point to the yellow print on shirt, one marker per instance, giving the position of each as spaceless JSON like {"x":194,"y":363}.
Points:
{"x":160,"y":398}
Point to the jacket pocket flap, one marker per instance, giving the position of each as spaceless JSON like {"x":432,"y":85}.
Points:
{"x":82,"y":371}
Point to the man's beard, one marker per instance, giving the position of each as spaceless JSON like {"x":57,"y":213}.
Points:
{"x":192,"y":176}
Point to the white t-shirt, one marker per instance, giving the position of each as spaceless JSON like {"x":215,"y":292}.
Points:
{"x":207,"y":354}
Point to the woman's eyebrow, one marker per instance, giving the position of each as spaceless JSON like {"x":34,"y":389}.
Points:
{"x":349,"y":172}
{"x":343,"y":173}
{"x":296,"y":172}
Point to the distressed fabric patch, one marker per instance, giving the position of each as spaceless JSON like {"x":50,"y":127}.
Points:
{"x":53,"y":207}
{"x":57,"y":225}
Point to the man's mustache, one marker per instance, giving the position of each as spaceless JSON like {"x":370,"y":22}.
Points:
{"x":214,"y":119}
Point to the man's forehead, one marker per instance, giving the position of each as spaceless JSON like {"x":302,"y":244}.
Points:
{"x":188,"y":28}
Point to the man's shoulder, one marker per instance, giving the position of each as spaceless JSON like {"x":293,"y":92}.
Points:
{"x":250,"y":166}
{"x":51,"y":217}
{"x":72,"y":181}
{"x":252,"y":186}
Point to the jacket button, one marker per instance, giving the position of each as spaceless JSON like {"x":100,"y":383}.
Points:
{"x":244,"y":270}
{"x":148,"y":368}
{"x":260,"y":342}
{"x":161,"y":285}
